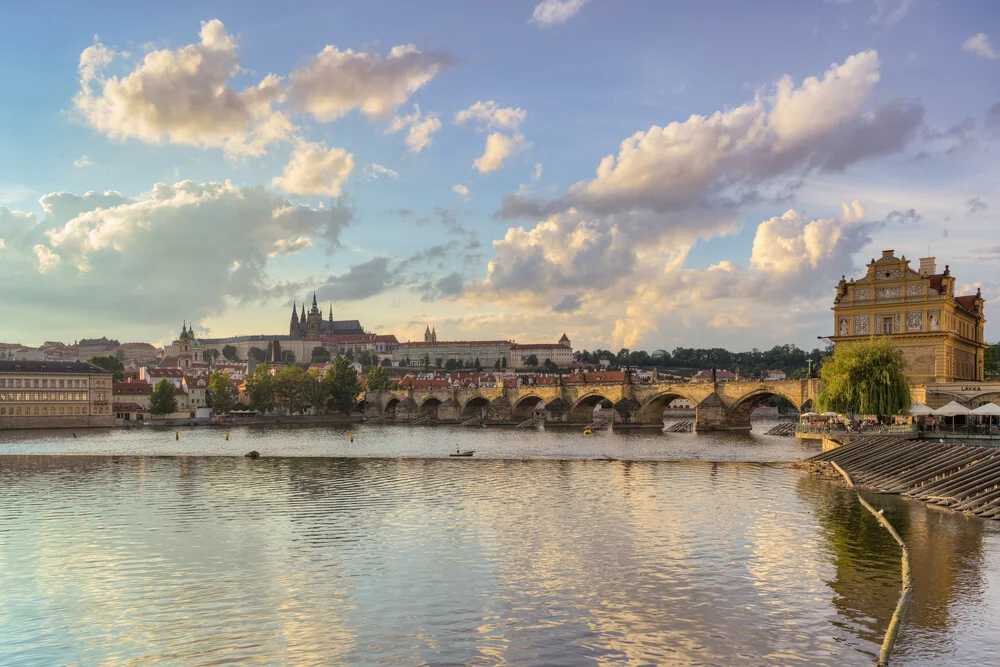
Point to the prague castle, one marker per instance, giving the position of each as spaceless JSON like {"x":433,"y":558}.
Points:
{"x":941,"y":334}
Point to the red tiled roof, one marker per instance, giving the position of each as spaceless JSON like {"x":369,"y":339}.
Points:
{"x":457,"y":342}
{"x":386,"y":338}
{"x":967,"y":302}
{"x":131,"y":389}
{"x":539,"y":346}
{"x":564,"y":339}
{"x":127,"y":407}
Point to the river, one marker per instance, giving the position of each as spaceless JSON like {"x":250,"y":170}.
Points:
{"x":133,"y":547}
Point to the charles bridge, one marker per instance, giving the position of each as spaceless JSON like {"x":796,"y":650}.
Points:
{"x":718,"y":406}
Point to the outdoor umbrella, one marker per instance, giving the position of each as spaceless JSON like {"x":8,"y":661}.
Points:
{"x":919,"y":409}
{"x":953,"y":409}
{"x":987,"y":409}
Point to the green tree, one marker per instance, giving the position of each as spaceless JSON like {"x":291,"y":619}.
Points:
{"x":438,"y":362}
{"x":478,"y":366}
{"x":991,"y":363}
{"x":425,"y":362}
{"x":257,"y":354}
{"x":865,"y":378}
{"x":531,"y":361}
{"x":164,"y":399}
{"x":110,"y":363}
{"x":320,"y":355}
{"x":222,"y":395}
{"x":451,"y":364}
{"x":293,"y":389}
{"x":319,"y":390}
{"x":344,"y":386}
{"x":378,"y":379}
{"x":229,"y":352}
{"x":503,"y":362}
{"x":350,"y":355}
{"x":550,"y":366}
{"x":387,"y":363}
{"x":497,"y":364}
{"x":288,"y":356}
{"x":260,"y":389}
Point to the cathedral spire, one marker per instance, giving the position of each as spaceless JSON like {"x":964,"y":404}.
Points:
{"x":331,"y":313}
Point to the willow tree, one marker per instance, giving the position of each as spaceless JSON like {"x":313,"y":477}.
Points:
{"x":866,"y":378}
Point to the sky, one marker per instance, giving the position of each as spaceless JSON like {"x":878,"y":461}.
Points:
{"x":641,"y":174}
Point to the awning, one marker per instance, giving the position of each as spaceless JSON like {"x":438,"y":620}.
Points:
{"x":987,"y":409}
{"x":919,"y":409}
{"x":953,"y":409}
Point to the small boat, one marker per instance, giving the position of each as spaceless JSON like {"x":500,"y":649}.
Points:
{"x":468,"y":452}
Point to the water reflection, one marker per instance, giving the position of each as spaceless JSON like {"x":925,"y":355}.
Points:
{"x":193,"y":560}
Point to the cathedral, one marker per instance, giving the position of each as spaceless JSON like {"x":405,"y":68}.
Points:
{"x":312,"y":324}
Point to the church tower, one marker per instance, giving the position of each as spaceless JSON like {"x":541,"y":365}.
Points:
{"x":293,"y":328}
{"x":427,"y":335}
{"x":434,"y":335}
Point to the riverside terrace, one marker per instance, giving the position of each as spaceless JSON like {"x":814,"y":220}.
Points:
{"x":718,"y":406}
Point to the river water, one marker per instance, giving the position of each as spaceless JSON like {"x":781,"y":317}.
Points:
{"x":330,"y":552}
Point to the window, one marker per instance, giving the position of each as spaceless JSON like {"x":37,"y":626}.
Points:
{"x":62,"y":396}
{"x":35,"y":397}
{"x":84,"y":394}
{"x":45,"y":411}
{"x":45,"y":383}
{"x":62,"y":384}
{"x":35,"y":383}
{"x":18,"y":383}
{"x":886,"y":325}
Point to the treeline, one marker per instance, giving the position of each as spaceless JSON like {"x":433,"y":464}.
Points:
{"x":791,"y":359}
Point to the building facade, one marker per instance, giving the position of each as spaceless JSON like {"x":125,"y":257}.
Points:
{"x":312,"y":325}
{"x":54,"y":394}
{"x":487,"y":352}
{"x":560,"y":353}
{"x":940,"y":333}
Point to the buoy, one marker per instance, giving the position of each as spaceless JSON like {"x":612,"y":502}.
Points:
{"x":227,"y":436}
{"x":586,"y":431}
{"x":352,"y":437}
{"x":177,"y":435}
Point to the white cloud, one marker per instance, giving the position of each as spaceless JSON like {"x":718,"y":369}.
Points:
{"x":553,"y":12}
{"x":460,"y":189}
{"x":499,"y":147}
{"x":82,"y":162}
{"x":183,"y":96}
{"x":91,"y":253}
{"x":47,"y":260}
{"x":335,"y":82}
{"x":289,"y":246}
{"x":493,"y":116}
{"x":981,"y":46}
{"x":313,"y":169}
{"x":421,"y":128}
{"x":374,"y":170}
{"x":3,"y":244}
{"x":537,"y":174}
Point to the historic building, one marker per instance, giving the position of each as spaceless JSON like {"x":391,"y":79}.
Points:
{"x":940,"y":333}
{"x":560,"y":353}
{"x":312,"y":325}
{"x":487,"y":352}
{"x":54,"y":394}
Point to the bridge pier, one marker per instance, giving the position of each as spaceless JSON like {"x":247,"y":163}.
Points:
{"x":713,"y":414}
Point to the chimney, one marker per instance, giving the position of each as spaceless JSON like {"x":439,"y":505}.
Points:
{"x":927,"y":266}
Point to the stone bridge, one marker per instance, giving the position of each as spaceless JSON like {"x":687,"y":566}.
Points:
{"x":718,"y":406}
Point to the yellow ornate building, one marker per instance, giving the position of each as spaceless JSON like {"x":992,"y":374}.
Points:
{"x":940,"y":334}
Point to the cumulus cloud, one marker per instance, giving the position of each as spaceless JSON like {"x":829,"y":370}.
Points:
{"x":333,"y":83}
{"x":460,"y":189}
{"x":553,"y":12}
{"x":537,"y":174}
{"x":183,"y":96}
{"x":624,"y":236}
{"x":499,"y":146}
{"x":90,"y":253}
{"x":420,"y":128}
{"x":82,"y":162}
{"x":980,"y":45}
{"x":313,"y":169}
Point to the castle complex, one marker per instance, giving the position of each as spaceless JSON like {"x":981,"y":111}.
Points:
{"x":941,"y":334}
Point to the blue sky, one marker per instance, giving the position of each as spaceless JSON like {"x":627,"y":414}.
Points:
{"x":725,"y":230}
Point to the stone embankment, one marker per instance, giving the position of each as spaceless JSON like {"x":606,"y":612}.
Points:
{"x":961,"y":476}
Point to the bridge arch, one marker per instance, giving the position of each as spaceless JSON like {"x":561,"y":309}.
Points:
{"x":525,"y":407}
{"x":652,"y":411}
{"x":429,"y":407}
{"x":475,"y":407}
{"x":740,"y":411}
{"x":556,"y":410}
{"x":583,"y":409}
{"x":389,"y":410}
